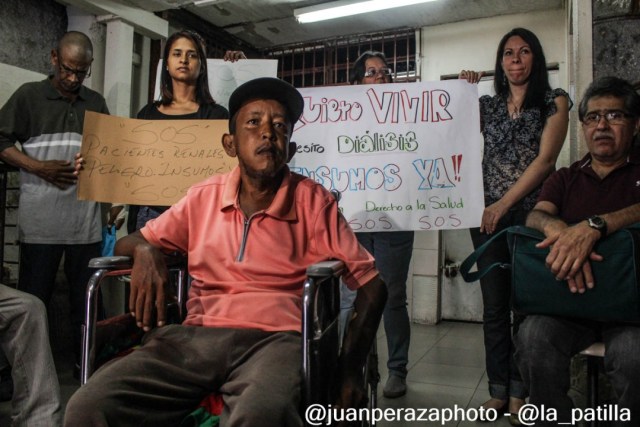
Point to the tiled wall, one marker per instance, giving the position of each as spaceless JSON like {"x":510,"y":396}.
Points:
{"x":423,"y":287}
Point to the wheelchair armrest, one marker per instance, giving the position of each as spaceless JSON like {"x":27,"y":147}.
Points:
{"x":111,"y":262}
{"x":115,"y":266}
{"x":326,"y":269}
{"x":125,"y":262}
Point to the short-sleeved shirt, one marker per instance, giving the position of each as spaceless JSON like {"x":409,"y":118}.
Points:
{"x":511,"y":145}
{"x":49,"y":127}
{"x":249,"y":272}
{"x":578,"y":192}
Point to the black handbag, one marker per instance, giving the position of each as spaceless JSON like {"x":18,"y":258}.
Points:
{"x":615,"y":297}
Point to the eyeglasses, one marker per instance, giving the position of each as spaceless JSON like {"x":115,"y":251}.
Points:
{"x":373,"y":72}
{"x":80,"y":74}
{"x":613,"y":117}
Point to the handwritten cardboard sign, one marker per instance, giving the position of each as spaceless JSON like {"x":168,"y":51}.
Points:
{"x":148,"y":162}
{"x":404,"y":156}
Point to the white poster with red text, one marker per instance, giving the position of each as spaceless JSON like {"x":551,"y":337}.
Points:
{"x":405,"y":156}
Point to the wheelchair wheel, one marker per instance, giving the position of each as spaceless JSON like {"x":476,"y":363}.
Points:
{"x":371,"y":381}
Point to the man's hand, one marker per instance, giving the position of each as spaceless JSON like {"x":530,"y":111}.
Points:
{"x":149,"y":278}
{"x":58,"y":172}
{"x":78,"y":164}
{"x":571,"y":250}
{"x":583,"y":279}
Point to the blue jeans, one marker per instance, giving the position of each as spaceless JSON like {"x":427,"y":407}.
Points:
{"x":545,"y":345}
{"x":145,"y":214}
{"x":504,"y":377}
{"x":392,"y":252}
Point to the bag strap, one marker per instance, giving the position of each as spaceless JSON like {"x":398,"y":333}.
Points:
{"x":473,"y":257}
{"x":523,"y":230}
{"x":634,"y":226}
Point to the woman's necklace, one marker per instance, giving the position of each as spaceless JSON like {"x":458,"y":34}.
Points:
{"x":517,"y":110}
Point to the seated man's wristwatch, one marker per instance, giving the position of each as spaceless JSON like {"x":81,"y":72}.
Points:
{"x":598,"y":223}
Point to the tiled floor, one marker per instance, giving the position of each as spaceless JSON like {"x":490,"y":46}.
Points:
{"x":446,"y":368}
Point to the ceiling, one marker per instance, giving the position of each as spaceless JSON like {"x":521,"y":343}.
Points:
{"x":268,"y":23}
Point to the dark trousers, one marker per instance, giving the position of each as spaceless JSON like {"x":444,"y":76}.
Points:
{"x":504,"y":377}
{"x":258,"y":374}
{"x":545,"y":346}
{"x":38,"y":268}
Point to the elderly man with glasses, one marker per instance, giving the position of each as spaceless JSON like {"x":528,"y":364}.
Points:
{"x":47,"y":118}
{"x":578,"y":206}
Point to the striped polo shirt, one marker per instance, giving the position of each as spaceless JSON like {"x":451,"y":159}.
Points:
{"x":49,"y":127}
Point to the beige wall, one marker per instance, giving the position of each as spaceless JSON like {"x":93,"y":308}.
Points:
{"x":11,"y":78}
{"x":446,"y":49}
{"x":471,"y":45}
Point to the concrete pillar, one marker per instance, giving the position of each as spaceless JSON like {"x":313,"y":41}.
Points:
{"x":581,"y":69}
{"x":118,"y":58}
{"x":85,"y":22}
{"x":143,"y":77}
{"x":616,"y":36}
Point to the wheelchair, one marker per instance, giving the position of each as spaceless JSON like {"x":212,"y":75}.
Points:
{"x":105,"y":339}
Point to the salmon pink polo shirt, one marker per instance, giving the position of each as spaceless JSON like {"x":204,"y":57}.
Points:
{"x":249,"y":272}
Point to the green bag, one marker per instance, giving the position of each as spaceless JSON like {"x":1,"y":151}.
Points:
{"x":615,"y":297}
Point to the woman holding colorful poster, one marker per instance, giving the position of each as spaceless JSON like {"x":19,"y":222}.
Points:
{"x":392,"y":251}
{"x":524,"y":126}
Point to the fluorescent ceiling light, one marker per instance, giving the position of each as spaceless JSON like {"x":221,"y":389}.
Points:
{"x":339,"y":9}
{"x":201,"y":3}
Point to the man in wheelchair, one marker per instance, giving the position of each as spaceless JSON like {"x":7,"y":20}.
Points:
{"x":249,"y":236}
